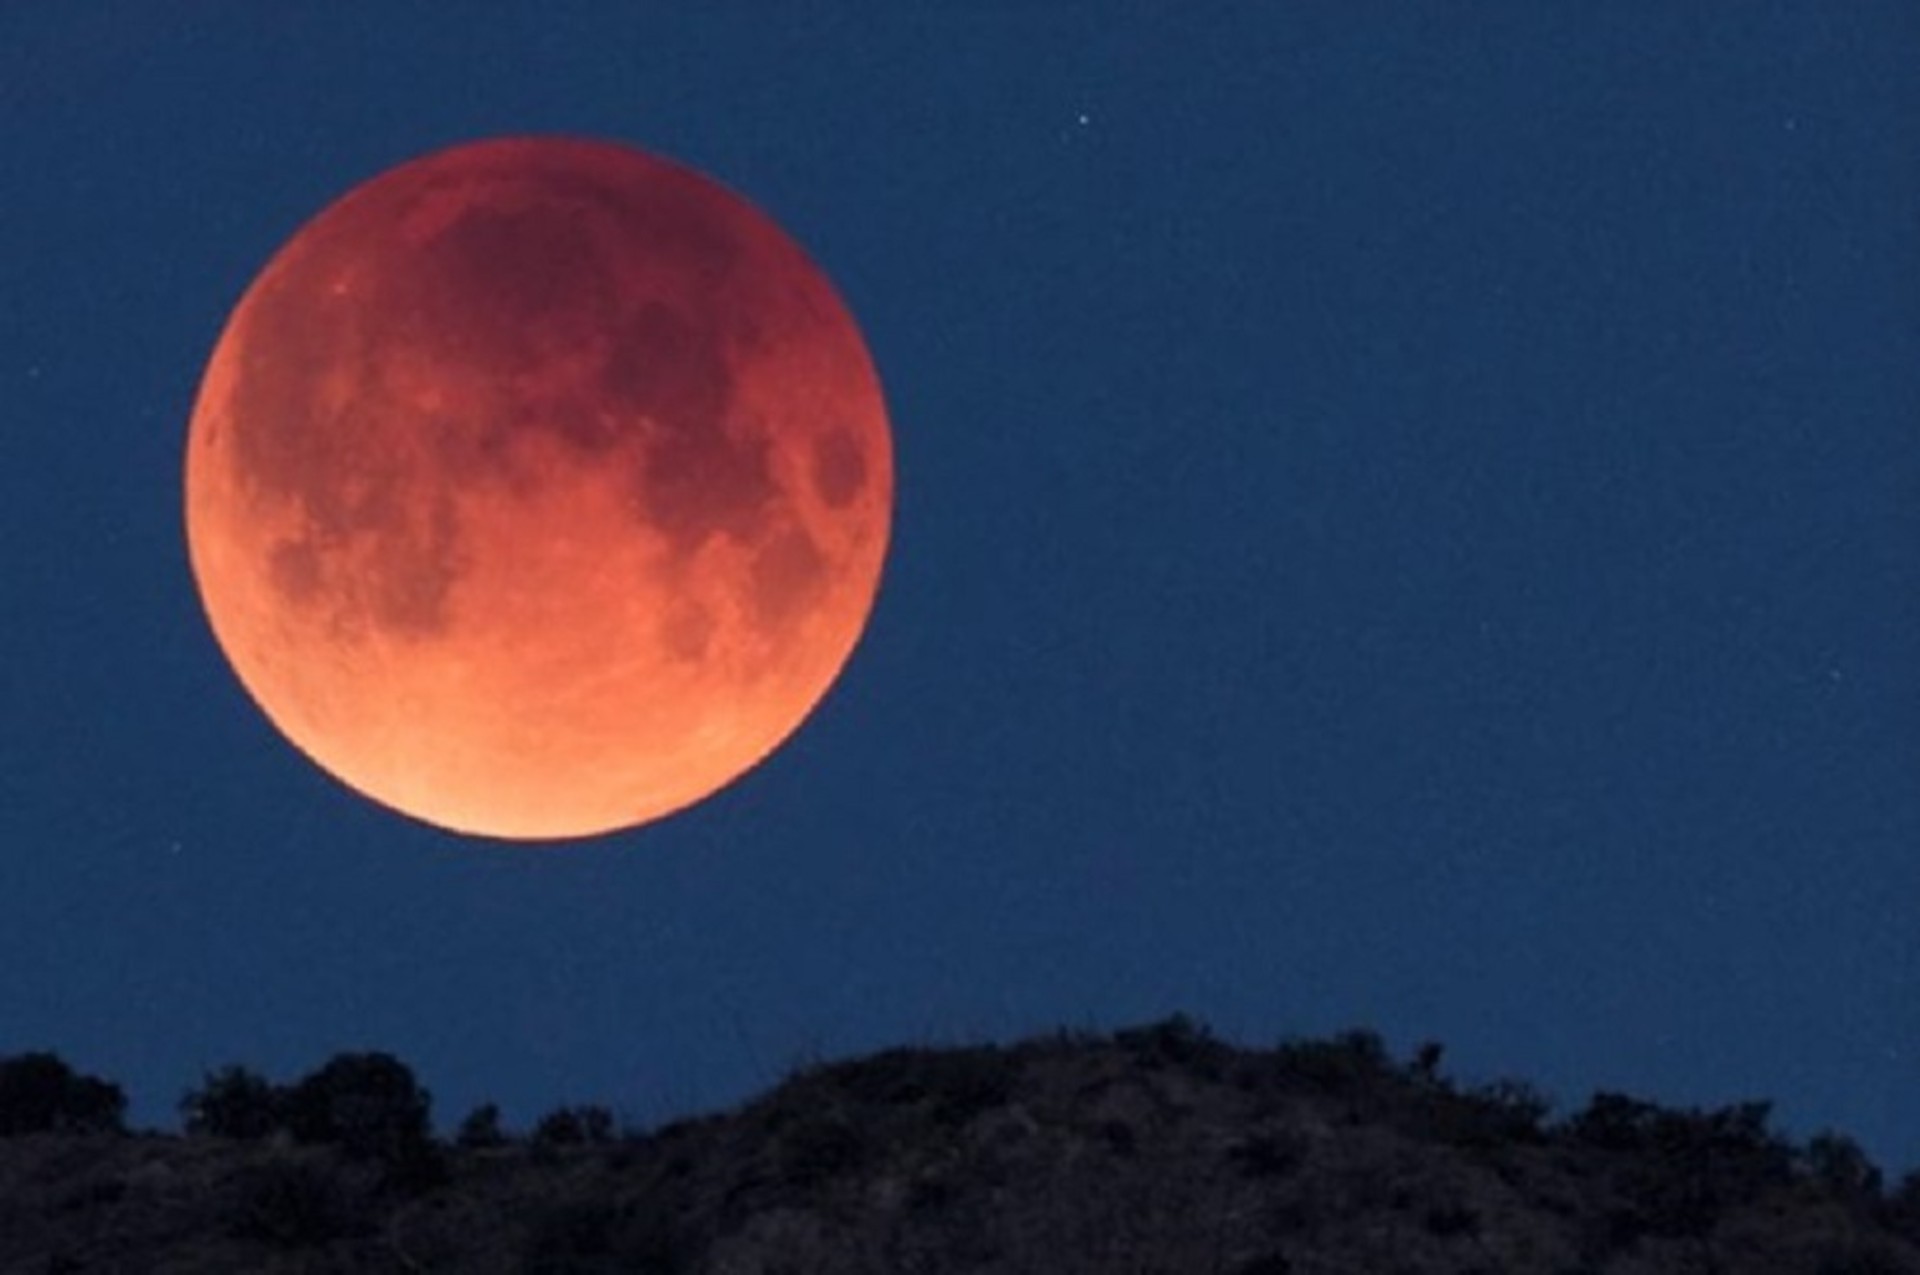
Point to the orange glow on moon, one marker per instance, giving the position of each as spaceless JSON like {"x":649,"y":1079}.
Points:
{"x":538,"y":487}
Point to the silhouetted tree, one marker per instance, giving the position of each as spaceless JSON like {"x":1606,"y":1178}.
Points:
{"x":367,"y":1104}
{"x":481,"y":1128}
{"x":232,"y":1103}
{"x":39,"y":1093}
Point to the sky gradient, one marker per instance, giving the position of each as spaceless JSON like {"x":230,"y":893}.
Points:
{"x":1408,"y":516}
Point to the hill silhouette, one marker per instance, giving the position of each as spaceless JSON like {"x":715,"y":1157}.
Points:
{"x":1155,"y":1149}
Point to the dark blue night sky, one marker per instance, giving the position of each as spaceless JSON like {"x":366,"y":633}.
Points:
{"x":1409,"y":516}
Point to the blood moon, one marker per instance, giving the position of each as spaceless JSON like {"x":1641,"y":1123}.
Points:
{"x":538,"y":487}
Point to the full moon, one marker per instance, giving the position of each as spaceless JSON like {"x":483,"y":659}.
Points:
{"x":538,"y":487}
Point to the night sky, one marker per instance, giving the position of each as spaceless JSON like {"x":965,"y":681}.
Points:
{"x":1408,"y":516}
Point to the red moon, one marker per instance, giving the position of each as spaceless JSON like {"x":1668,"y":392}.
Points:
{"x":538,"y":487}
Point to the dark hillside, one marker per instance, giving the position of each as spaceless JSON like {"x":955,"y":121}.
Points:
{"x":1159,"y":1149}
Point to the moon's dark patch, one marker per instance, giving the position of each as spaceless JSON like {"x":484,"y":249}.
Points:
{"x":698,"y":480}
{"x":283,"y":445}
{"x":839,"y":468}
{"x":405,"y":595}
{"x":687,"y":631}
{"x":408,"y":596}
{"x":666,"y":365}
{"x":336,"y":468}
{"x":296,"y":571}
{"x":789,"y":575}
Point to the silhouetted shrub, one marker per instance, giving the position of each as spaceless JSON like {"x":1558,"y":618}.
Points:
{"x":1426,"y":1060}
{"x":1354,"y":1059}
{"x":1838,"y":1164}
{"x":1614,"y":1122}
{"x":596,"y":1123}
{"x":1692,"y":1165}
{"x":1502,"y":1111}
{"x":574,"y":1126}
{"x":39,"y":1093}
{"x":1178,"y":1040}
{"x":232,"y":1103}
{"x":481,"y":1128}
{"x":956,"y":1084}
{"x":558,"y":1128}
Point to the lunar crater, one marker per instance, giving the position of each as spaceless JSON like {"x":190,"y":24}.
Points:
{"x":697,"y":480}
{"x":839,"y":468}
{"x":789,"y":575}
